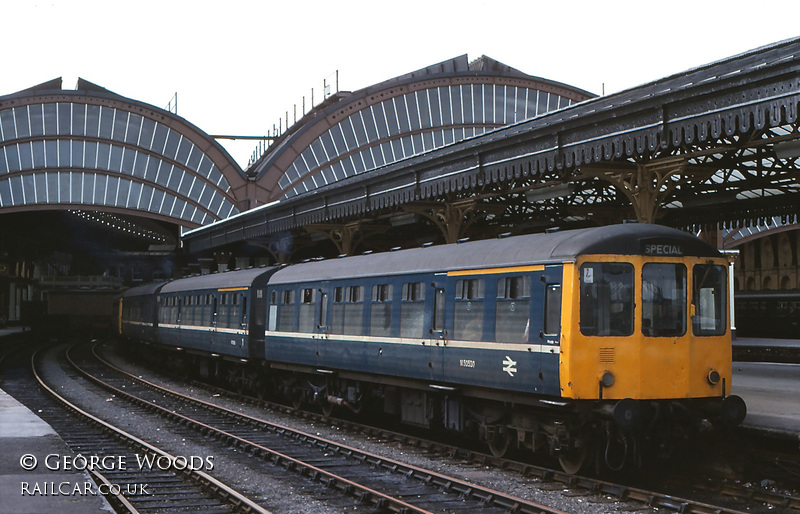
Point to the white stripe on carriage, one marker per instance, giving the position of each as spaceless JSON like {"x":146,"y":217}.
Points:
{"x":473,"y":345}
{"x":200,"y":328}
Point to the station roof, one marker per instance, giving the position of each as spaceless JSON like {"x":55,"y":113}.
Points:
{"x":94,"y":150}
{"x":731,"y":126}
{"x":356,"y":132}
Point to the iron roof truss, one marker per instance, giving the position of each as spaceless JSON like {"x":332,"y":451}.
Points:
{"x":719,"y":122}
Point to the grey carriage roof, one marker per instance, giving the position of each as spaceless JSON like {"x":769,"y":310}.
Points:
{"x":546,"y":248}
{"x":242,"y":278}
{"x":144,"y":290}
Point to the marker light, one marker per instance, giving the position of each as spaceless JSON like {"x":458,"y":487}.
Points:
{"x":608,"y":379}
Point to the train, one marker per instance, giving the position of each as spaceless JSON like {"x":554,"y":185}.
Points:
{"x":768,"y":313}
{"x":597,"y":346}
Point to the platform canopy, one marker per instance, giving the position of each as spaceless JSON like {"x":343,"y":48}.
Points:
{"x":717,"y":146}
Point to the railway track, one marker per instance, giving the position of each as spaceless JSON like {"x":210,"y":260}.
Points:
{"x":164,"y":486}
{"x":752,"y":496}
{"x":379,"y":482}
{"x":587,"y":485}
{"x":436,"y":493}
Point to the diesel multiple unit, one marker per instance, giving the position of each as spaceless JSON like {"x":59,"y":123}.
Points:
{"x":587,"y":344}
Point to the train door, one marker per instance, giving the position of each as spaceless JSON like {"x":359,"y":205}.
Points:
{"x":213,"y":332}
{"x":549,"y":337}
{"x":322,"y":324}
{"x":214,"y":311}
{"x":258,"y":321}
{"x":438,"y":331}
{"x":179,"y":316}
{"x":244,"y":322}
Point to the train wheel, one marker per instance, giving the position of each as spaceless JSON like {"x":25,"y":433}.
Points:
{"x":297,"y":399}
{"x":573,"y":461}
{"x":500,"y":442}
{"x":327,"y":409}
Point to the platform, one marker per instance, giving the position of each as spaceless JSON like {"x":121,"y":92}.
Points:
{"x":762,"y":349}
{"x":766,"y":342}
{"x":23,"y":437}
{"x":10,"y":331}
{"x":770,"y":392}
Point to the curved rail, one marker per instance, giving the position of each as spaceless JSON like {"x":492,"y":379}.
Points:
{"x":364,"y":493}
{"x":590,"y":484}
{"x":238,"y":501}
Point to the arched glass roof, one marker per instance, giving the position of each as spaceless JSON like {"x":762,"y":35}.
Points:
{"x":91,"y":153}
{"x":404,"y":117}
{"x":411,"y":124}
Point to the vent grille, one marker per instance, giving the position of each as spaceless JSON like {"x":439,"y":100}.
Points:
{"x":608,"y":355}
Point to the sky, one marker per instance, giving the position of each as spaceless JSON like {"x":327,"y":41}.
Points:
{"x":238,"y":66}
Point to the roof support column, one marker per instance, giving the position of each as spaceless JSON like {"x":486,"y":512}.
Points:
{"x":346,"y":236}
{"x":223,"y":260}
{"x":451,"y":218}
{"x":647,"y":185}
{"x":280,"y":248}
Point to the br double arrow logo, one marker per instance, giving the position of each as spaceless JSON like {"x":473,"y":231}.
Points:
{"x":509,"y":366}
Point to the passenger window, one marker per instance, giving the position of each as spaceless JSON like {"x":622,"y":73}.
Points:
{"x":412,"y":310}
{"x":307,"y":317}
{"x":512,"y":313}
{"x":512,"y":287}
{"x":354,"y":294}
{"x":468,"y":315}
{"x":382,"y":293}
{"x":348,"y":311}
{"x":471,"y":289}
{"x":413,"y":292}
{"x":606,"y":299}
{"x":337,"y":315}
{"x":663,"y":300}
{"x":286,"y":311}
{"x":381,"y":313}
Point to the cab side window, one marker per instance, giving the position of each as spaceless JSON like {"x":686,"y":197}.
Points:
{"x":552,"y":309}
{"x":709,"y":299}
